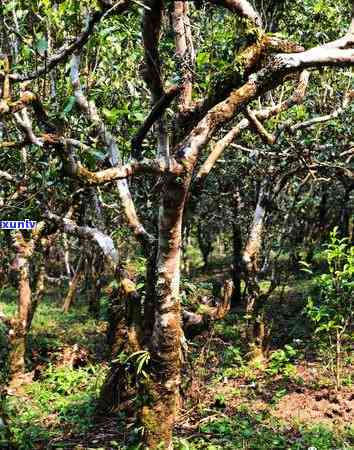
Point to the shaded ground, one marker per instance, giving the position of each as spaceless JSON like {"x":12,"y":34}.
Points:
{"x":228,"y":404}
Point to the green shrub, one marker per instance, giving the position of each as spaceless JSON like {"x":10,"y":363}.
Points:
{"x":280,"y":361}
{"x":331,"y":310}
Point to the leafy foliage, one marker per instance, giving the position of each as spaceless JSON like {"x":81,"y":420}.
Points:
{"x":332,"y":310}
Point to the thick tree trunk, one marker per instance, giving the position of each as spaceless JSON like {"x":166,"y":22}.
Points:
{"x":18,"y":331}
{"x":159,"y":412}
{"x":19,"y":324}
{"x":124,"y":338}
{"x":150,"y":295}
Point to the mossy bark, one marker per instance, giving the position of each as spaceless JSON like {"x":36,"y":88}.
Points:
{"x":19,"y":324}
{"x":38,"y":295}
{"x":256,"y":327}
{"x":124,"y":338}
{"x":257,"y":339}
{"x":159,"y":411}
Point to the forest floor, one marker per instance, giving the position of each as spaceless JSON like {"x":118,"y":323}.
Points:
{"x":291,"y":403}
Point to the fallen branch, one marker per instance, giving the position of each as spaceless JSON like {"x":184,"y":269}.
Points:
{"x":195,"y":321}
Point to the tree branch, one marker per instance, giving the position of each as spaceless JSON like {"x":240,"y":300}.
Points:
{"x":266,"y":137}
{"x":184,"y":52}
{"x":9,"y":107}
{"x":6,"y":176}
{"x":241,"y":7}
{"x":151,"y":73}
{"x":23,"y":120}
{"x":155,"y":114}
{"x":69,"y":48}
{"x":249,"y":59}
{"x":104,"y":241}
{"x":152,"y":166}
{"x":263,"y":114}
{"x":90,"y":110}
{"x":262,"y":81}
{"x":348,"y":97}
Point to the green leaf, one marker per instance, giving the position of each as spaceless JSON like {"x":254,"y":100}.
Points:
{"x":202,"y":58}
{"x":111,"y":114}
{"x":68,"y":105}
{"x":100,"y":156}
{"x":42,"y":46}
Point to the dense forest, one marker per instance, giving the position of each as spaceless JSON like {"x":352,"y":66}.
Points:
{"x":176,"y":224}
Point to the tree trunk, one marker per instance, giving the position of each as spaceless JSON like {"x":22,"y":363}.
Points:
{"x":161,"y":388}
{"x":251,"y":259}
{"x":322,"y":212}
{"x":150,"y":295}
{"x":257,"y":334}
{"x":205,"y":245}
{"x":73,"y":287}
{"x":38,"y":295}
{"x":94,"y":283}
{"x":19,"y":324}
{"x":237,"y":264}
{"x":345,"y":214}
{"x":186,"y":261}
{"x":124,"y":338}
{"x":18,"y":331}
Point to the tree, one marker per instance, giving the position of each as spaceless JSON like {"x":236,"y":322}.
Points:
{"x":259,"y":64}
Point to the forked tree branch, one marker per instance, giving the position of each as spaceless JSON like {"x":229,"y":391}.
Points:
{"x":267,"y":78}
{"x":155,"y":114}
{"x":266,"y":137}
{"x":90,"y":110}
{"x":263,"y":114}
{"x":249,"y":60}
